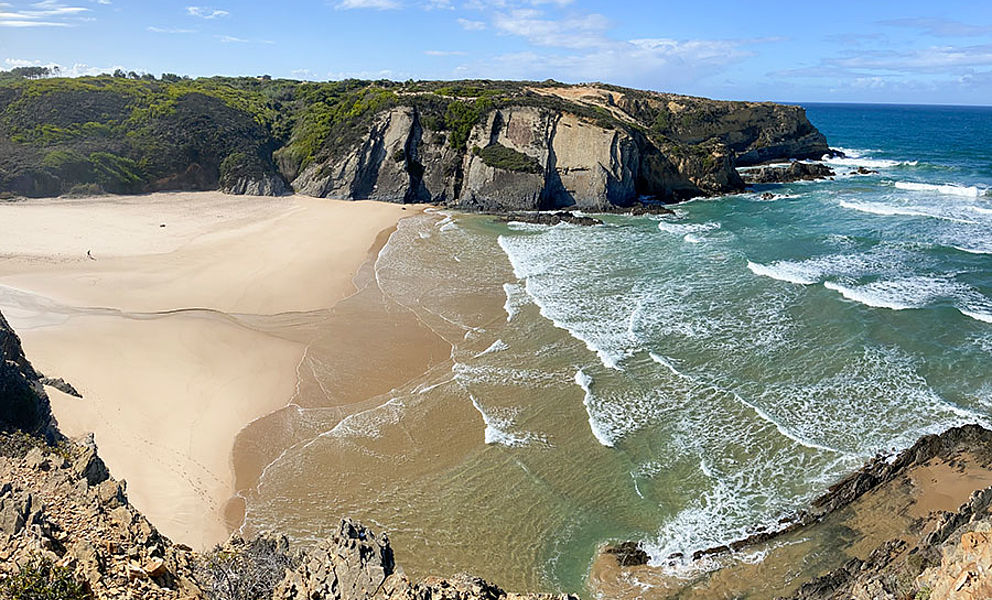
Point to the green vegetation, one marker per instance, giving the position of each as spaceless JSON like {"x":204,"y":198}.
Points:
{"x":43,"y":580}
{"x":501,"y":157}
{"x":130,"y":132}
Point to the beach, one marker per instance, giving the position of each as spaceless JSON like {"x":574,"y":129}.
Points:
{"x":173,"y":315}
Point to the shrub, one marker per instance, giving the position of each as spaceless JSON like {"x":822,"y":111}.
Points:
{"x":501,"y":157}
{"x":116,"y":173}
{"x":245,"y":570}
{"x":43,"y":580}
{"x":17,"y":444}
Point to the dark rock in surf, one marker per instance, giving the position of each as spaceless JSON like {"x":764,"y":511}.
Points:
{"x":548,"y":218}
{"x":796,"y":171}
{"x":629,"y":554}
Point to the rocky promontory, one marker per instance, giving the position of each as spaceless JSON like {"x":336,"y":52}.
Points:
{"x":491,"y":146}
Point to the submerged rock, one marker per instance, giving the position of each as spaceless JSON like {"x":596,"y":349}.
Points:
{"x":629,"y":554}
{"x":863,"y":171}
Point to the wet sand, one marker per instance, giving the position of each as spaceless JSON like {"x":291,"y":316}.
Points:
{"x":178,"y":336}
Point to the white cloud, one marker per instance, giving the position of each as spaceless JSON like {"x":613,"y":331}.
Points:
{"x":10,"y":23}
{"x":154,"y":29}
{"x":470,"y":25}
{"x":47,"y":13}
{"x":230,"y":39}
{"x":940,"y":27}
{"x":581,"y":31}
{"x":206,"y":13}
{"x":373,"y":4}
{"x":444,"y":53}
{"x":76,"y":70}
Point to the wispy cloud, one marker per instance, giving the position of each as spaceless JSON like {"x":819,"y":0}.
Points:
{"x":373,"y":4}
{"x":171,"y":30}
{"x":577,"y":31}
{"x":582,"y":45}
{"x":204,"y":12}
{"x":470,"y":25}
{"x":230,"y":39}
{"x":47,"y":13}
{"x":444,"y":53}
{"x":939,"y":27}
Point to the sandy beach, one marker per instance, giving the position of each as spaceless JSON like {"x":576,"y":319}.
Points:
{"x":164,"y":311}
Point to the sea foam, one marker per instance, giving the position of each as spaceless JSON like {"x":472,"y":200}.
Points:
{"x":496,"y":429}
{"x":684,"y":229}
{"x":890,"y":210}
{"x":945,"y":188}
{"x":584,"y":381}
{"x":858,"y":158}
{"x":791,"y":272}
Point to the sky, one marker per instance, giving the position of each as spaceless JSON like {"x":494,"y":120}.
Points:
{"x":898,"y":51}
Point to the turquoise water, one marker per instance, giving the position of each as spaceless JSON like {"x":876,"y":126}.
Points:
{"x":679,"y":380}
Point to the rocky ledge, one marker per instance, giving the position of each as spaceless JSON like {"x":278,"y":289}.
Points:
{"x":944,"y":555}
{"x":796,"y":171}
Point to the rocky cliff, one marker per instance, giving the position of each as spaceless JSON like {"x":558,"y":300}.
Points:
{"x":23,"y":403}
{"x":479,"y":145}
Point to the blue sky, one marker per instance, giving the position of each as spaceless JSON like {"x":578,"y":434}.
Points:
{"x":868,"y":51}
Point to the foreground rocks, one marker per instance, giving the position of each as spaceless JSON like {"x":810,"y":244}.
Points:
{"x":796,"y":171}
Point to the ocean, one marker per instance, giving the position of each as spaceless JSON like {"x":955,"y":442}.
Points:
{"x":680,"y":380}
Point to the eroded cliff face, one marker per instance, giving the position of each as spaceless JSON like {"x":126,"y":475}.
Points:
{"x":545,"y":159}
{"x":482,"y":145}
{"x":581,"y":164}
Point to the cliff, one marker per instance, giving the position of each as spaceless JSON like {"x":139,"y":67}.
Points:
{"x":478,"y":145}
{"x":22,"y":398}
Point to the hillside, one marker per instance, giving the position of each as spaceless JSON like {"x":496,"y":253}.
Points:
{"x":484,"y":145}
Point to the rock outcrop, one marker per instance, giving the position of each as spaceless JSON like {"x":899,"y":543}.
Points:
{"x":796,"y":171}
{"x":23,"y":403}
{"x":551,"y":218}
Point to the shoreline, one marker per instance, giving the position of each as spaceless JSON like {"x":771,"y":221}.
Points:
{"x":180,"y":336}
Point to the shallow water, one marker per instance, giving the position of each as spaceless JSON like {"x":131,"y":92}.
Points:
{"x":679,"y":380}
